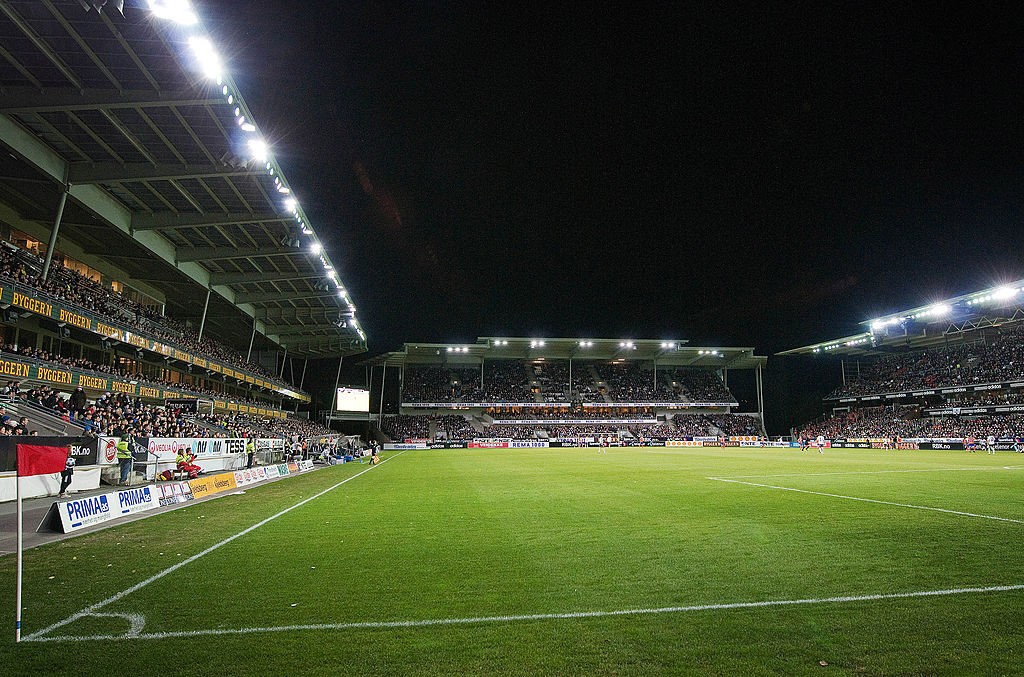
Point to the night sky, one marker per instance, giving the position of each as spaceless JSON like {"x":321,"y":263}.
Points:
{"x":731,"y":177}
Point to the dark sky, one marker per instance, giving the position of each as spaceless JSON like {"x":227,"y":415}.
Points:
{"x":711,"y":173}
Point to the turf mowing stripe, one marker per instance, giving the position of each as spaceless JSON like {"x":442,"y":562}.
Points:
{"x":862,"y":472}
{"x":90,"y":610}
{"x":380,"y":625}
{"x":871,"y":500}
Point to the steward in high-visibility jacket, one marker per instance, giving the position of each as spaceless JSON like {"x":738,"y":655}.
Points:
{"x":250,"y":449}
{"x":124,"y":458}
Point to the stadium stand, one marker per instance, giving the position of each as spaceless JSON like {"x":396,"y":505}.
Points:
{"x":528,"y":390}
{"x":948,"y":371}
{"x":138,"y":245}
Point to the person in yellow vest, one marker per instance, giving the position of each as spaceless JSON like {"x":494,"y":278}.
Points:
{"x":184,"y":460}
{"x":250,"y":450}
{"x":124,"y":458}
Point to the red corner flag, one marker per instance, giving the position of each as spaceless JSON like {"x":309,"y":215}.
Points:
{"x":35,"y":459}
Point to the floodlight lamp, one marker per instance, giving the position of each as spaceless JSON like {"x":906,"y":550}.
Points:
{"x":316,"y":247}
{"x":291,"y":204}
{"x":206,"y":55}
{"x":1003,"y":293}
{"x":258,"y":149}
{"x":178,"y":11}
{"x":941,"y":309}
{"x":248,"y":127}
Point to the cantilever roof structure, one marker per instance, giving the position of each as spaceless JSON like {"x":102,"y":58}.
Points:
{"x":127,"y":129}
{"x":668,"y":353}
{"x":930,"y":324}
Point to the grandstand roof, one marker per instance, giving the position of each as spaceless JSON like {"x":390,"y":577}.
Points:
{"x":168,"y":177}
{"x":670,"y":353}
{"x":934,"y":323}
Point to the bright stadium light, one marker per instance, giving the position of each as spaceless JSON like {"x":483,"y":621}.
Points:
{"x":258,"y":149}
{"x":291,"y":204}
{"x":206,"y":55}
{"x":178,"y":11}
{"x":315,"y":247}
{"x":1003,"y":293}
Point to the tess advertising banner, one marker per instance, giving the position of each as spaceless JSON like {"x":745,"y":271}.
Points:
{"x":167,"y":448}
{"x":36,"y":302}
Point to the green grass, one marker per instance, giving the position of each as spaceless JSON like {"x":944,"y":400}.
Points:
{"x":471,"y":533}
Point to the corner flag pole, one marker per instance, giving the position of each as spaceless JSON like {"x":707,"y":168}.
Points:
{"x":21,"y":544}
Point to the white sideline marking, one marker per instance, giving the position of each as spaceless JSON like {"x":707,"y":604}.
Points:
{"x":91,"y":610}
{"x":375,"y":625}
{"x":864,"y":472}
{"x":871,"y":500}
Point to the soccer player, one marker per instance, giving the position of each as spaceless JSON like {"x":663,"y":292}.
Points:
{"x":803,"y":442}
{"x":990,"y":444}
{"x":821,"y":444}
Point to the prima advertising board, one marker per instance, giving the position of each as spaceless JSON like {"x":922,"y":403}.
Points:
{"x":80,"y":513}
{"x":84,"y":512}
{"x":136,"y":500}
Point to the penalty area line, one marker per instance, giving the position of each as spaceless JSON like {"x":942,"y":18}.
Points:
{"x":479,"y":620}
{"x":92,"y":609}
{"x":870,"y":500}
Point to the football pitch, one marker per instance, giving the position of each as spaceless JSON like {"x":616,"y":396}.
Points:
{"x":554,"y":561}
